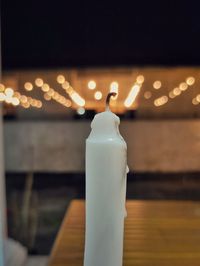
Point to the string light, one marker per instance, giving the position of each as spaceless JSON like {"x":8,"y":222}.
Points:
{"x":140,"y":79}
{"x":194,"y":101}
{"x":2,"y":97}
{"x":198,"y":98}
{"x":60,"y":79}
{"x":177,"y":91}
{"x":81,"y":111}
{"x":147,"y":95}
{"x":183,"y":86}
{"x":132,"y":95}
{"x":190,"y":81}
{"x":171,"y":95}
{"x":47,"y":97}
{"x":28,"y":86}
{"x":157,"y":84}
{"x":9,"y":92}
{"x":45,"y":87}
{"x":15,"y":101}
{"x":2,"y":87}
{"x":98,"y":95}
{"x":91,"y":85}
{"x":65,"y":85}
{"x":39,"y":82}
{"x":161,"y":100}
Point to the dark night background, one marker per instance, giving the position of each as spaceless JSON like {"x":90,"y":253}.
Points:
{"x":90,"y":33}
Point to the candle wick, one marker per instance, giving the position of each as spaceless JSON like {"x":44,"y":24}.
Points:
{"x":110,"y":94}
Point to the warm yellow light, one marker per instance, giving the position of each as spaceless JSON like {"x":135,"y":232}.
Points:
{"x":9,"y":92}
{"x":98,"y":95}
{"x":190,"y":81}
{"x":15,"y":101}
{"x":194,"y":101}
{"x":198,"y":98}
{"x":114,"y":87}
{"x":140,"y":79}
{"x":47,"y":97}
{"x":33,"y":102}
{"x":183,"y":86}
{"x":171,"y":95}
{"x":147,"y":95}
{"x":38,"y":104}
{"x":50,"y":92}
{"x":17,"y":94}
{"x":39,"y":82}
{"x":26,"y":105}
{"x":81,"y":111}
{"x":69,"y":90}
{"x":8,"y":99}
{"x":65,"y":85}
{"x":45,"y":87}
{"x":55,"y":95}
{"x":161,"y":100}
{"x":23,"y":99}
{"x":132,"y":95}
{"x":68,"y":103}
{"x":2,"y":97}
{"x":177,"y":91}
{"x":60,"y":79}
{"x":91,"y":85}
{"x":77,"y":98}
{"x":28,"y":86}
{"x":2,"y":87}
{"x":157,"y":84}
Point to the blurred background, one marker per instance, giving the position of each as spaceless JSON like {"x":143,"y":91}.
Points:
{"x":59,"y":61}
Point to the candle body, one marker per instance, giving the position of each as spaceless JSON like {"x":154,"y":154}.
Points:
{"x":106,"y":165}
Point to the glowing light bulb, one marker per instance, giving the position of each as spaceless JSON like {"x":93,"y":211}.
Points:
{"x":45,"y":87}
{"x":28,"y":86}
{"x":68,"y":103}
{"x":60,"y":79}
{"x":39,"y":82}
{"x":2,"y":97}
{"x":47,"y":97}
{"x":140,"y":79}
{"x":161,"y":100}
{"x":171,"y":95}
{"x":77,"y":98}
{"x":81,"y":111}
{"x":194,"y":101}
{"x":132,"y":95}
{"x":23,"y":99}
{"x":190,"y":81}
{"x":15,"y":101}
{"x":65,"y":85}
{"x":9,"y":92}
{"x":157,"y":84}
{"x":2,"y":87}
{"x":177,"y":91}
{"x":98,"y":95}
{"x":147,"y":95}
{"x":183,"y":86}
{"x":91,"y":85}
{"x":198,"y":98}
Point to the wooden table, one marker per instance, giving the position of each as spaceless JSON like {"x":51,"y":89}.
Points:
{"x":157,"y":233}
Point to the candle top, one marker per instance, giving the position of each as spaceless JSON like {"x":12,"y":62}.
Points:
{"x":105,"y":126}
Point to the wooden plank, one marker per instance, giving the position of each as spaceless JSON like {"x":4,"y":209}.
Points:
{"x":162,"y":233}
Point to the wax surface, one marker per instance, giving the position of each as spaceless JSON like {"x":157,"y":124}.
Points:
{"x":106,"y":166}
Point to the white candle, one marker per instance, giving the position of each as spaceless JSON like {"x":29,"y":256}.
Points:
{"x":106,"y":168}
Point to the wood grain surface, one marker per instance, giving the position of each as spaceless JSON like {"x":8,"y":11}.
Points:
{"x":157,"y":233}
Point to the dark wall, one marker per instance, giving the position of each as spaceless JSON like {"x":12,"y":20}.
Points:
{"x":91,"y":33}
